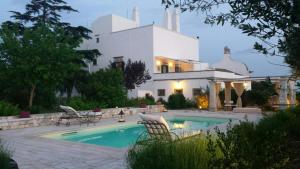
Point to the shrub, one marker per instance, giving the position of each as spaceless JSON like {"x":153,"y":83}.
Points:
{"x":105,"y":86}
{"x":36,"y":109}
{"x":7,"y":109}
{"x":190,"y":104}
{"x":80,"y":104}
{"x":162,"y":101}
{"x":134,"y":102}
{"x":185,"y":154}
{"x":176,"y":101}
{"x":148,"y":100}
{"x":260,"y":93}
{"x":272,"y":143}
{"x":138,"y":102}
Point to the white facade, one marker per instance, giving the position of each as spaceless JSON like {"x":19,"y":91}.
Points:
{"x":171,"y":57}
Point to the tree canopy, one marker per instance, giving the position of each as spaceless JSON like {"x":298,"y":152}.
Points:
{"x":275,"y":23}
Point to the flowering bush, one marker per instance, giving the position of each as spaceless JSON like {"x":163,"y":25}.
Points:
{"x":97,"y":110}
{"x":24,"y":114}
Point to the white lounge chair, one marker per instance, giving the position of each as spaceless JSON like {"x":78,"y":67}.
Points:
{"x":71,"y":113}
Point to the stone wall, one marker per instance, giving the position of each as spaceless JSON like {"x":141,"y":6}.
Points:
{"x":13,"y":122}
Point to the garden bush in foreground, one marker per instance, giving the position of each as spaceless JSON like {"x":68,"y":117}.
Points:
{"x":273,"y":143}
{"x":184,"y":154}
{"x":4,"y":157}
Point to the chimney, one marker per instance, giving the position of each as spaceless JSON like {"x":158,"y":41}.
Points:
{"x":176,"y":20}
{"x":135,"y":16}
{"x":226,"y":53}
{"x":167,"y":20}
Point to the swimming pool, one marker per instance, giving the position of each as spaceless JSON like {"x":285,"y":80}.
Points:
{"x":124,"y":135}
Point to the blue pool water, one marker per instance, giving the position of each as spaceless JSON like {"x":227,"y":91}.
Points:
{"x":125,"y":135}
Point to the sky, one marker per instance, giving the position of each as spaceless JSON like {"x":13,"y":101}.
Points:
{"x":212,"y":39}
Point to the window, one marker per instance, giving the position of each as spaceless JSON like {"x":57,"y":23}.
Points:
{"x":97,"y":38}
{"x":161,"y":92}
{"x":118,"y":62}
{"x":197,"y":91}
{"x":178,"y":91}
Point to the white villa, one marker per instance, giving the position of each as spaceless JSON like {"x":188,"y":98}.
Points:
{"x":172,"y":59}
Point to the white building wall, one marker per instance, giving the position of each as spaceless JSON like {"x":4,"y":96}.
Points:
{"x":174,"y":45}
{"x":111,"y":23}
{"x":136,"y":44}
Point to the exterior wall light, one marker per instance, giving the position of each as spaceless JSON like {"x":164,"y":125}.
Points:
{"x":158,"y":62}
{"x":178,"y":85}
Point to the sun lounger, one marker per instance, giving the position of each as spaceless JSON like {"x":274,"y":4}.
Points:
{"x":71,"y":113}
{"x":157,"y":127}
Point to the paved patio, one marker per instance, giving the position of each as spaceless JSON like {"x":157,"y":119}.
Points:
{"x":34,"y":152}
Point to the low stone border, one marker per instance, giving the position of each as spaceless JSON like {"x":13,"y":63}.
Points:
{"x":13,"y":122}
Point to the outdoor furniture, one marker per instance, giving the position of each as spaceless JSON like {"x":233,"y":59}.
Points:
{"x":157,"y":128}
{"x":70,"y":113}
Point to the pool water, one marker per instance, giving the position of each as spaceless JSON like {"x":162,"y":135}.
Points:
{"x":122,"y":136}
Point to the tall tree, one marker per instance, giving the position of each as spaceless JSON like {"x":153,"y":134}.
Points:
{"x":40,"y":50}
{"x":74,"y":76}
{"x":274,"y":23}
{"x":41,"y":58}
